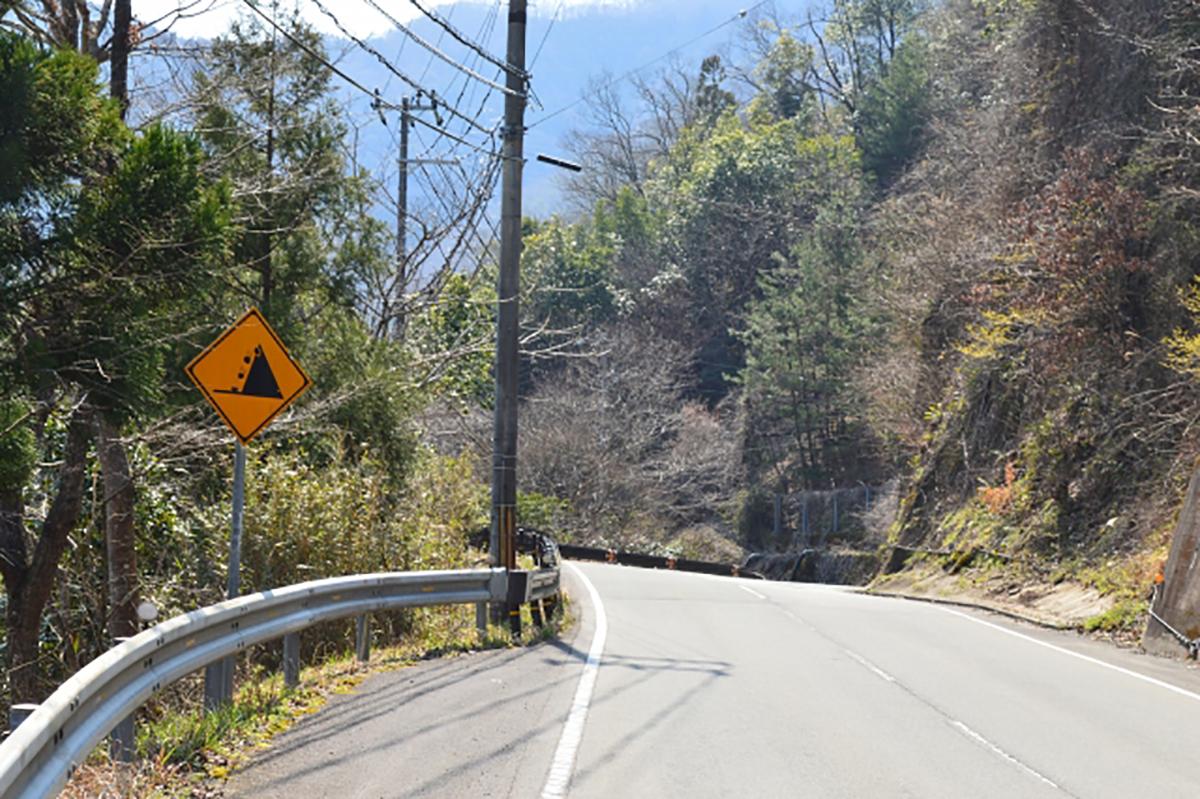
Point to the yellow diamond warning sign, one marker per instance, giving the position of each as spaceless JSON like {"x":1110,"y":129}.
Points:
{"x":248,"y":375}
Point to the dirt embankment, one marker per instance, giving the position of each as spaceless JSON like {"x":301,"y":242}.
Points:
{"x":1067,"y":605}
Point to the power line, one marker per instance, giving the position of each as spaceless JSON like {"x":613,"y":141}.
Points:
{"x":484,"y":34}
{"x":438,"y":53}
{"x":378,"y":101}
{"x":546,"y":35}
{"x":440,"y":38}
{"x":387,"y":84}
{"x":437,"y":193}
{"x":389,"y":66}
{"x":736,"y":17}
{"x":471,"y":61}
{"x":466,"y":42}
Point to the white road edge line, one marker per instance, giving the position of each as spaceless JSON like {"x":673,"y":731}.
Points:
{"x":870,"y":665}
{"x":970,"y":733}
{"x":563,"y":764}
{"x":750,"y":590}
{"x":1098,"y":662}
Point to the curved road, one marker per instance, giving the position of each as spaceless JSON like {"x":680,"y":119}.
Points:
{"x":714,"y":687}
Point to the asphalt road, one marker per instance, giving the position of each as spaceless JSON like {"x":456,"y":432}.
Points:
{"x":713,"y":687}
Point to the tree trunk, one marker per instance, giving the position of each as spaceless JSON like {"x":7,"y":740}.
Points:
{"x":13,"y":559}
{"x":266,"y":245}
{"x":119,"y":67}
{"x":21,"y":644}
{"x":28,"y":582}
{"x":119,"y":531}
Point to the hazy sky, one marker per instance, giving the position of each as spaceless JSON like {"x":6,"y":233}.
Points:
{"x":591,"y":40}
{"x":212,"y":16}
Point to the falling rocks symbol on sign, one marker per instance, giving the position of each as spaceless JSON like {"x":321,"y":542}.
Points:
{"x":260,"y":382}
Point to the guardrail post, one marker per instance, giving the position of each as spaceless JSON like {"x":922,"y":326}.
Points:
{"x":535,"y":612}
{"x":518,"y":593}
{"x":18,"y":713}
{"x":291,"y":660}
{"x":121,"y":743}
{"x":481,"y":619}
{"x":362,"y":638}
{"x":215,"y":684}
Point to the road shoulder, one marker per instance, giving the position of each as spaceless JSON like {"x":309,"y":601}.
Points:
{"x":477,"y":724}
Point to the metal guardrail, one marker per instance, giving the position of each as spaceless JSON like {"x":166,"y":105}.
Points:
{"x":39,"y":756}
{"x":656,"y":561}
{"x":544,"y":581}
{"x":543,"y":584}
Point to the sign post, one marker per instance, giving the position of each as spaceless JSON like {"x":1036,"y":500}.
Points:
{"x":234,"y":584}
{"x":249,"y":378}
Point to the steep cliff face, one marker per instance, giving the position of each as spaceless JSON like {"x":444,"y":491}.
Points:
{"x":1039,"y":253}
{"x":1075,"y":487}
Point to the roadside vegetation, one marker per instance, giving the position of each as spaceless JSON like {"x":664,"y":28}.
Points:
{"x":125,"y":248}
{"x":915,"y":273}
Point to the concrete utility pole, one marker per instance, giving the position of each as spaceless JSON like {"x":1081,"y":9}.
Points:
{"x":504,"y":453}
{"x":407,"y":106}
{"x":402,"y":200}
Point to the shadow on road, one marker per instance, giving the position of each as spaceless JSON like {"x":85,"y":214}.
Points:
{"x":293,"y":757}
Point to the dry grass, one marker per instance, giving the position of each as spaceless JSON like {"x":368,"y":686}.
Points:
{"x":100,"y":778}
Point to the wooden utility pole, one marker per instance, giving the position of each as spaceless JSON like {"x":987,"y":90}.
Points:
{"x":504,"y":453}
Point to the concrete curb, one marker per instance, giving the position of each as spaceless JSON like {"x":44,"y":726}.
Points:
{"x":961,"y":603}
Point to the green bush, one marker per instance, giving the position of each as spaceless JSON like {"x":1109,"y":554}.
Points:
{"x":304,"y":523}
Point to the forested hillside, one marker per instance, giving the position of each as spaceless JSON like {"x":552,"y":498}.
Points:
{"x":949,"y":244}
{"x":933,"y":261}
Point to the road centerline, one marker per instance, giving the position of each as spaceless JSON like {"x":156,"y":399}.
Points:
{"x":563,"y":763}
{"x":928,"y":702}
{"x":970,"y":733}
{"x":870,"y":666}
{"x":750,"y":590}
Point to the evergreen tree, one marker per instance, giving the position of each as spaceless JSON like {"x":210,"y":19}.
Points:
{"x":804,"y":337}
{"x":105,"y":233}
